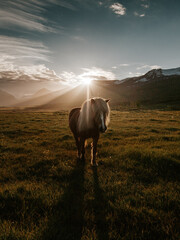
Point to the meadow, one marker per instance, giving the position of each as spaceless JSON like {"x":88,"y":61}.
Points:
{"x":46,"y":194}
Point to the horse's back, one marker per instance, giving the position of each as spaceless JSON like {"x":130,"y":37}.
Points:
{"x":73,"y":118}
{"x":74,"y":111}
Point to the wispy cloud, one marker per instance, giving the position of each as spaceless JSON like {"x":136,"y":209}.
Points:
{"x":121,"y":65}
{"x":148,"y":67}
{"x":118,"y":9}
{"x":145,"y":6}
{"x":138,"y":14}
{"x":27,"y":15}
{"x":63,"y":4}
{"x":78,"y":38}
{"x":22,"y":51}
{"x":124,"y":65}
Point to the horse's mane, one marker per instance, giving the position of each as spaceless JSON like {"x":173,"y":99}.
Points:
{"x":89,"y":111}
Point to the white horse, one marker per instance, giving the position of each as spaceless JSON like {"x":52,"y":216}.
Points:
{"x":87,"y":122}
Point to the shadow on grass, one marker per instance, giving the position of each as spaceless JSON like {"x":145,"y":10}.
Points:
{"x":67,"y":219}
{"x":100,"y":208}
{"x":150,"y":168}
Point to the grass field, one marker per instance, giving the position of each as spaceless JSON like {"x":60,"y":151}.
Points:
{"x":45,"y":193}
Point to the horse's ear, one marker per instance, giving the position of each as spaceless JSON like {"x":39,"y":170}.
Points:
{"x":107,"y":100}
{"x":92,"y":101}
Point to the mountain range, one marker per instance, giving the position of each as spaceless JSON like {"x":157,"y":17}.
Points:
{"x":7,"y":99}
{"x":158,"y":86}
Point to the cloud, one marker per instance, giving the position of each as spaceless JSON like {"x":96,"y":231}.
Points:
{"x":29,"y":73}
{"x":78,"y":38}
{"x":138,"y":74}
{"x":121,"y":65}
{"x":118,"y":9}
{"x":93,"y":73}
{"x":20,"y":51}
{"x":139,"y":15}
{"x":25,"y":14}
{"x":19,"y":60}
{"x":145,"y":6}
{"x":148,"y":67}
{"x":124,"y":65}
{"x":63,"y":4}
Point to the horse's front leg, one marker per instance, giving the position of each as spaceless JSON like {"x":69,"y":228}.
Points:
{"x":94,"y":151}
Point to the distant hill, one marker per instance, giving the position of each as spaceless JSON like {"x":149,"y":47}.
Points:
{"x":41,"y":92}
{"x":27,"y":97}
{"x":41,"y":97}
{"x":157,"y":86}
{"x":6,"y":99}
{"x":77,"y":95}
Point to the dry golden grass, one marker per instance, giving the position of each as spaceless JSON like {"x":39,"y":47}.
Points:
{"x":133,"y":194}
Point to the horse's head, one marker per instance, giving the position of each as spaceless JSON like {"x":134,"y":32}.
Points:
{"x":101,"y":112}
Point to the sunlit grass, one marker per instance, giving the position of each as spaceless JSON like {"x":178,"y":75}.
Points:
{"x":46,"y":194}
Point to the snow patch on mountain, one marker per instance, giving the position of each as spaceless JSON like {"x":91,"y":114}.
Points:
{"x":142,"y":80}
{"x":169,"y":72}
{"x":117,"y":82}
{"x":154,"y":73}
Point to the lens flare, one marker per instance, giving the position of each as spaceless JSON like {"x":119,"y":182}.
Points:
{"x":87,"y":81}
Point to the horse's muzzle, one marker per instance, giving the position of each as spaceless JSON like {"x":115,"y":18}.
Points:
{"x":102,"y":130}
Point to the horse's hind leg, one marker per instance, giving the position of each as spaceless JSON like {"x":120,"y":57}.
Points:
{"x":94,"y":151}
{"x":82,"y":143}
{"x":78,"y":147}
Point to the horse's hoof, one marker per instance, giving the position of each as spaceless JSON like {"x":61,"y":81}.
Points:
{"x":101,"y":162}
{"x":94,"y":164}
{"x":82,"y":158}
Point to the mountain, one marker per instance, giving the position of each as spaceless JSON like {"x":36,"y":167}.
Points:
{"x":77,"y":95}
{"x":41,"y":97}
{"x":157,"y":86}
{"x":6,"y":99}
{"x":27,"y":97}
{"x":41,"y":92}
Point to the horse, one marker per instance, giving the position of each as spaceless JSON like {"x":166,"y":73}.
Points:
{"x":87,"y":122}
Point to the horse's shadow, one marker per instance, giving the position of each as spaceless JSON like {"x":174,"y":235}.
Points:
{"x":100,"y":209}
{"x":67,"y":220}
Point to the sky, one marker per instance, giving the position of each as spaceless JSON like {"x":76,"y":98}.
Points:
{"x":58,"y":43}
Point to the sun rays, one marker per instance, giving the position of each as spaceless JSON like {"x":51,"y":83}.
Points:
{"x":87,"y":81}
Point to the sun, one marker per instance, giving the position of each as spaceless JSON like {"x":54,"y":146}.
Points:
{"x":87,"y":81}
